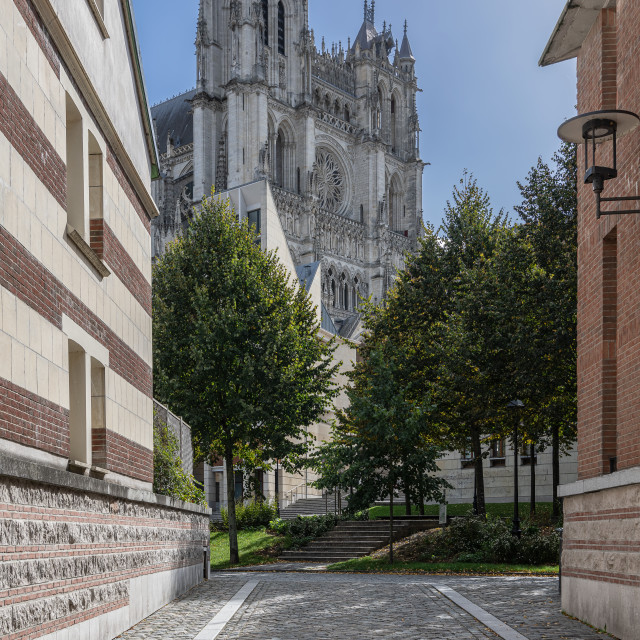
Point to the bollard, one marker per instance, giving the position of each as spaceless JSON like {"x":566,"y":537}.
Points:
{"x":559,"y":530}
{"x":207,"y":562}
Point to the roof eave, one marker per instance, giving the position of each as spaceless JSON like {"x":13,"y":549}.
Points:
{"x":573,"y":26}
{"x":132,"y":36}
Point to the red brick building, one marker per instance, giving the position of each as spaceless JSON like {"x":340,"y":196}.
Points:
{"x":601,"y":559}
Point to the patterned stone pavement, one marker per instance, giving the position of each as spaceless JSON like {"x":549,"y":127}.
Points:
{"x":320,"y":606}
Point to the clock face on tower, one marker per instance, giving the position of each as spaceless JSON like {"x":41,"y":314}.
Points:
{"x":330,"y":181}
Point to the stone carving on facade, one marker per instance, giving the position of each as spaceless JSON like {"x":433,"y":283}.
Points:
{"x":336,"y":99}
{"x":330,"y":181}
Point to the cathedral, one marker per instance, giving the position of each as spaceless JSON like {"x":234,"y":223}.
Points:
{"x":333,"y":130}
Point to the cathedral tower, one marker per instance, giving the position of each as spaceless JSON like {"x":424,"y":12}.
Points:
{"x":334,"y":130}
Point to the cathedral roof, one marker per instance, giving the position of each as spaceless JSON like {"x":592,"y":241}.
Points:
{"x":173,"y":116}
{"x":366,"y":35}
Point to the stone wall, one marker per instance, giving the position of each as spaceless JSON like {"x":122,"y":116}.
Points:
{"x":80,"y":551}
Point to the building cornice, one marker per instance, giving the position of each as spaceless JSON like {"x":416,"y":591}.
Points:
{"x":573,"y":26}
{"x":622,"y":478}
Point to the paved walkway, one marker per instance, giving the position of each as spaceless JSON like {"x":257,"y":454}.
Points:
{"x":318,"y":606}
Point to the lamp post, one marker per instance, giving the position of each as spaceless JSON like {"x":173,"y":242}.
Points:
{"x":515,"y":405}
{"x":277,"y":489}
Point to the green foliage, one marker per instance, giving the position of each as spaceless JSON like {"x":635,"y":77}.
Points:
{"x":378,"y":444}
{"x":479,"y":540}
{"x":304,"y":528}
{"x":236,"y":347}
{"x":169,"y":478}
{"x":250,"y":515}
{"x":497,"y":509}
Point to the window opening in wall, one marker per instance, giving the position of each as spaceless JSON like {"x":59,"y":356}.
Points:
{"x":265,"y":18}
{"x":466,"y":456}
{"x":280,"y":160}
{"x":75,"y":167}
{"x":333,"y":293}
{"x":242,"y":155}
{"x":281,"y":41}
{"x":253,"y":218}
{"x":80,"y":408}
{"x":393,"y":124}
{"x":361,"y":213}
{"x":98,"y":414}
{"x":347,"y":115}
{"x":497,"y":455}
{"x":95,"y":179}
{"x":298,"y":180}
{"x":243,"y":101}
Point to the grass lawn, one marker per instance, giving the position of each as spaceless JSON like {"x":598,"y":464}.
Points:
{"x":502,"y":509}
{"x":254,"y":546}
{"x":378,"y":565}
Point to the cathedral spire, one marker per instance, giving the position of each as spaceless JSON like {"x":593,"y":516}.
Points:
{"x":370,"y":12}
{"x":405,"y":49}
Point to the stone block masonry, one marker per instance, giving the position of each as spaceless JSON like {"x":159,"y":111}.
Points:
{"x":79,"y":551}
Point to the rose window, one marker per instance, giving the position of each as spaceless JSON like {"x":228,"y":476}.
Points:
{"x":330,"y":181}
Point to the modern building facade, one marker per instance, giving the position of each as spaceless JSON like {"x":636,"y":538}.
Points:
{"x":334,"y":130}
{"x":600,"y":561}
{"x":84,"y":543}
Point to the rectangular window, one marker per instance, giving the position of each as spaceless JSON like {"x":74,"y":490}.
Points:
{"x":253,"y":218}
{"x":75,"y":168}
{"x":79,"y":407}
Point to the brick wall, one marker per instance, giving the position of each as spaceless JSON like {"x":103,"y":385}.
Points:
{"x":74,"y":548}
{"x":27,"y":278}
{"x":33,"y":421}
{"x":114,"y":452}
{"x":608,"y":263}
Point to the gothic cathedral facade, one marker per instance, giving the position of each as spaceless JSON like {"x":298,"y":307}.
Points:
{"x":335,"y":131}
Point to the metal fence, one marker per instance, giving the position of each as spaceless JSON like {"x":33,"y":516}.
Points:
{"x":182,"y":431}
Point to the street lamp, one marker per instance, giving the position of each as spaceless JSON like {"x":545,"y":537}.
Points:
{"x":592,"y":129}
{"x":516,"y":406}
{"x":277,"y":489}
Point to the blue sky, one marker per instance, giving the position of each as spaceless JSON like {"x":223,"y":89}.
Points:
{"x":486,"y":106}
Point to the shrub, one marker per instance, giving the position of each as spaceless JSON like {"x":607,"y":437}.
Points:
{"x":476,"y":540}
{"x":253,"y":514}
{"x":169,"y":478}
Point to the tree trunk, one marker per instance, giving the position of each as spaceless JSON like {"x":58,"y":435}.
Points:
{"x":390,"y":522}
{"x":479,"y":473}
{"x":532,"y":503}
{"x":407,"y":498}
{"x":234,"y":556}
{"x":555,"y":464}
{"x":421,"y":497}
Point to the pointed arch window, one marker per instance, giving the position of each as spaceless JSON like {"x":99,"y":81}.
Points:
{"x":281,"y":39}
{"x":265,"y":18}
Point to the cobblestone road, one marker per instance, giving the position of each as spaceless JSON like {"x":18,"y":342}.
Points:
{"x":318,"y":606}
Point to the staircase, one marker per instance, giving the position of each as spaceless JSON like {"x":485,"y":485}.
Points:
{"x":356,"y":539}
{"x":317,"y":506}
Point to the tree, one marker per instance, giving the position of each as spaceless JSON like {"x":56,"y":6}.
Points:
{"x":378,"y":445}
{"x":549,"y":211}
{"x":236,"y":346}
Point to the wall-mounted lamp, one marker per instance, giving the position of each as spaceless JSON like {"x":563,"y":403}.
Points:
{"x":592,"y":129}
